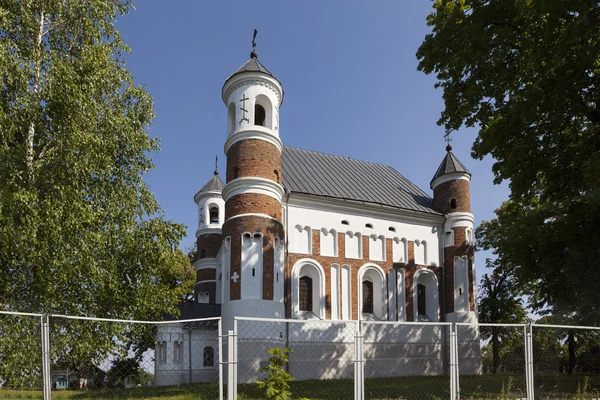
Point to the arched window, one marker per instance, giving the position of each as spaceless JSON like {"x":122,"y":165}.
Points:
{"x":421,"y":300}
{"x":308,"y":290}
{"x":452,"y":204}
{"x":367,"y":297}
{"x":426,"y":296}
{"x":214,"y":214}
{"x":372,"y":293}
{"x":263,"y":112}
{"x":305,"y":288}
{"x":209,"y":356}
{"x":259,"y":115}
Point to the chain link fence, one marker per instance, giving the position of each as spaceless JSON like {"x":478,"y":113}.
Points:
{"x":21,"y":364}
{"x":491,"y":361}
{"x":566,"y":362}
{"x":108,"y":359}
{"x":406,"y":360}
{"x":321,"y":359}
{"x":73,"y":357}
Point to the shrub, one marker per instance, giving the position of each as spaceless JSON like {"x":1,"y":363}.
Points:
{"x":277,"y":382}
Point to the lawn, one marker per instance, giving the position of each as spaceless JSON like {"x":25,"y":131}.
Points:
{"x":486,"y":387}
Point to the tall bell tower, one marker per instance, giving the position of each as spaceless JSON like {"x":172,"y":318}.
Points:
{"x":451,"y":196}
{"x":253,"y":232}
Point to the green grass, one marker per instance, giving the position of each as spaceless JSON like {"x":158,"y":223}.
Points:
{"x":485,"y":387}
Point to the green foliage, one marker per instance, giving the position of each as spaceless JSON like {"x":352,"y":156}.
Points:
{"x":80,"y":232}
{"x":500,"y":302}
{"x":277,"y":383}
{"x":526,"y":75}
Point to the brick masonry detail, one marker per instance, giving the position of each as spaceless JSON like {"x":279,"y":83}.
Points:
{"x":355,"y":265}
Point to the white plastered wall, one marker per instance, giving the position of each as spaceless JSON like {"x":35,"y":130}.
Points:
{"x":328,"y":216}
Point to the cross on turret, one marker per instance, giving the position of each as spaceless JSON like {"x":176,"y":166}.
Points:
{"x":448,"y":139}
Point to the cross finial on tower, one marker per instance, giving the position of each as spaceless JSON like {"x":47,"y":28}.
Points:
{"x":448,"y":139}
{"x":254,"y":54}
{"x":216,"y":165}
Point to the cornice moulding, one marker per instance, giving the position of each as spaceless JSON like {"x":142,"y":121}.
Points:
{"x":253,"y":185}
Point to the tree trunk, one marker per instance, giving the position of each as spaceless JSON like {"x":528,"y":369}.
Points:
{"x":31,"y":131}
{"x":495,"y":350}
{"x":571,"y":345}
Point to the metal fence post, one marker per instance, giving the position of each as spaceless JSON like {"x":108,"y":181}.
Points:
{"x":230,"y":367}
{"x":453,"y":363}
{"x":45,"y":331}
{"x":220,"y":345}
{"x":529,"y":361}
{"x":359,"y":371}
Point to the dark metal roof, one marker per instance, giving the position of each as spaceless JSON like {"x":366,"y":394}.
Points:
{"x":215,"y":183}
{"x":252,"y":65}
{"x":311,"y":172}
{"x":449,"y":164}
{"x":195,"y":310}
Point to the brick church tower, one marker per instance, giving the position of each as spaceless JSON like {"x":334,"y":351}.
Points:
{"x":451,"y":196}
{"x":253,"y":231}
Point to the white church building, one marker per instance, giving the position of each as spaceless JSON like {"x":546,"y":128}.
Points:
{"x":298,"y":234}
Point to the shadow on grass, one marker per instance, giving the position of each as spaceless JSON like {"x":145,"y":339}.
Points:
{"x":474,"y":387}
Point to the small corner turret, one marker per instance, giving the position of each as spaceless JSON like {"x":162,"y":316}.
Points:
{"x":211,"y":214}
{"x":450,"y":184}
{"x":451,"y":196}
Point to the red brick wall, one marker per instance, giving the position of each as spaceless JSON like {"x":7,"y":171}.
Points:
{"x":252,"y":203}
{"x":445,"y":192}
{"x":355,"y":265}
{"x":206,"y":274}
{"x":210,"y":243}
{"x":254,"y":158}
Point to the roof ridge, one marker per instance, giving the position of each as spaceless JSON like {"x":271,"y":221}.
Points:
{"x":342,"y":157}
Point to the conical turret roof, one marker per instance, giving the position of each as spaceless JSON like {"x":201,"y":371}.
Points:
{"x":450,"y":164}
{"x":252,"y":65}
{"x":214,"y":184}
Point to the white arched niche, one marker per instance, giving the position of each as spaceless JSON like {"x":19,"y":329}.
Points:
{"x":346,"y":293}
{"x":313,"y":270}
{"x":302,"y":239}
{"x":335,"y":291}
{"x":374,"y":274}
{"x":353,"y":243}
{"x":252,"y":265}
{"x":399,"y":250}
{"x":420,"y":252}
{"x":401,"y":295}
{"x":461,"y":284}
{"x":429,"y":311}
{"x":328,"y":242}
{"x":391,"y":282}
{"x":377,"y":247}
{"x":231,"y":123}
{"x":278,"y":278}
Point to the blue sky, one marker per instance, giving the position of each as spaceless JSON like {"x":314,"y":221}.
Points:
{"x":349,"y":74}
